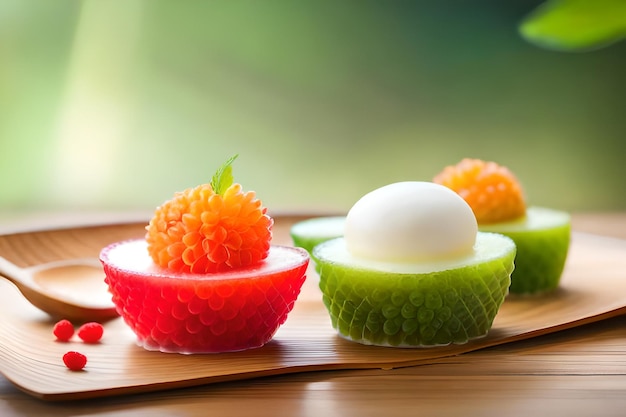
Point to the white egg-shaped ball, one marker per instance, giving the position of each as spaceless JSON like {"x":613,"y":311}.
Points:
{"x":410,"y":221}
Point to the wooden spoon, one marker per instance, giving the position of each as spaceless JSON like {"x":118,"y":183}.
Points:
{"x":73,"y":289}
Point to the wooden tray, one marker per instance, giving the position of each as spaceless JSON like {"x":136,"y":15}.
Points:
{"x":593,"y":288}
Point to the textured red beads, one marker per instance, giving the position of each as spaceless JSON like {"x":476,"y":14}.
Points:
{"x":91,"y":332}
{"x":75,"y":361}
{"x":63,"y":330}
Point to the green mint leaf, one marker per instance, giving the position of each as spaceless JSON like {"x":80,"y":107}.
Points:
{"x":223,"y":177}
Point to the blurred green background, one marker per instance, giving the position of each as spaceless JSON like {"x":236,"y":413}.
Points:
{"x":114,"y":105}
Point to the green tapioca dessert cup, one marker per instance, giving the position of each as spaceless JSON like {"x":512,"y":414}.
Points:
{"x":542,"y":238}
{"x":315,"y":230}
{"x":418,"y":305}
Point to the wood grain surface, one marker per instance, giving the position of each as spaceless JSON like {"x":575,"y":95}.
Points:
{"x":592,"y":289}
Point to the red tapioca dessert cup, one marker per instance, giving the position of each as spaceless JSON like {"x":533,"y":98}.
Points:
{"x":203,"y":313}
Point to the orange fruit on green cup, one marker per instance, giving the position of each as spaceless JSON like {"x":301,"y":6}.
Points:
{"x":541,"y":234}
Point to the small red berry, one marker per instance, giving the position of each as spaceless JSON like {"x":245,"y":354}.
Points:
{"x":91,"y":332}
{"x":75,"y":361}
{"x":63,"y":330}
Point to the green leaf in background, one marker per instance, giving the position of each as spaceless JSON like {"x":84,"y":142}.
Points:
{"x":576,"y":25}
{"x":223,"y":178}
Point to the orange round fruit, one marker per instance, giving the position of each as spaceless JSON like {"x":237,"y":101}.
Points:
{"x":491,"y":190}
{"x":200,"y":231}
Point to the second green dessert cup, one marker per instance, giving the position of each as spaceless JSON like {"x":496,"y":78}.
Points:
{"x":542,"y":239}
{"x":313,"y":231}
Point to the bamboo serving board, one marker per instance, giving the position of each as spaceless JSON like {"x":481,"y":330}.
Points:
{"x":593,"y":288}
